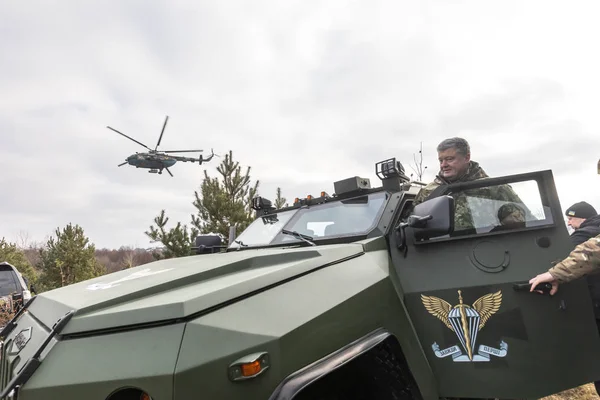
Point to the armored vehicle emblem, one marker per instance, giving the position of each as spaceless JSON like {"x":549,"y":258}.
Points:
{"x":20,"y":341}
{"x":466,"y":322}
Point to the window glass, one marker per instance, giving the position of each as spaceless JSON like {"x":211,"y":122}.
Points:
{"x":498,"y":208}
{"x":262,"y":230}
{"x":7,"y":283}
{"x":353,"y":216}
{"x":338,"y":218}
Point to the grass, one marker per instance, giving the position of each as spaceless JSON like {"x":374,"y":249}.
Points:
{"x":585,"y":392}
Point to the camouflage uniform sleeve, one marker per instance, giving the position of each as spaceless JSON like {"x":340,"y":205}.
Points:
{"x":583,"y":260}
{"x":506,"y":193}
{"x":423,"y":193}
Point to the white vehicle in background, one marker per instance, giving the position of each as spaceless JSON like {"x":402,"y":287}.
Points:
{"x":14,"y":288}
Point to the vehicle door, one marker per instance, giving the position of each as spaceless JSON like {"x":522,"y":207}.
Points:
{"x":466,"y":288}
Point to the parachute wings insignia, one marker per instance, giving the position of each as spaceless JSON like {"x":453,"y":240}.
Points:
{"x":466,"y":322}
{"x":487,"y":306}
{"x":438,"y":308}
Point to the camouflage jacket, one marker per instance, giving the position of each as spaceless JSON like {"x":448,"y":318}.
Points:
{"x":583,"y":260}
{"x":474,"y":208}
{"x":473,"y":172}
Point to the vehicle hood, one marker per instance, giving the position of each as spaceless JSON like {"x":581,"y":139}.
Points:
{"x":179,"y":287}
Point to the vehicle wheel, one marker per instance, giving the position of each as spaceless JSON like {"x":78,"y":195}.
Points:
{"x":379,"y":374}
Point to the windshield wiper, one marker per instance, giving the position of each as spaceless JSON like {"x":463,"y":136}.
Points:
{"x":300,"y":236}
{"x":240,"y":243}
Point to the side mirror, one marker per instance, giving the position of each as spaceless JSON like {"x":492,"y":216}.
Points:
{"x":433,"y":218}
{"x":207,"y":244}
{"x":429,"y":219}
{"x":32,"y":288}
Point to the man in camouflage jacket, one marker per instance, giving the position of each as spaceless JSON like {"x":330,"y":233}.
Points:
{"x":583,"y":260}
{"x":471,"y":172}
{"x":456,"y":166}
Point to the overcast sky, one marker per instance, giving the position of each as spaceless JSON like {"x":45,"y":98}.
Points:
{"x":305,"y":92}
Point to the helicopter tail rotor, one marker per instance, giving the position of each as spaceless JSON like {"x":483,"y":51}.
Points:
{"x":212,"y":154}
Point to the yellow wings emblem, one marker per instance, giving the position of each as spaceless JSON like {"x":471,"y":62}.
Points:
{"x":438,"y":308}
{"x":486,"y":306}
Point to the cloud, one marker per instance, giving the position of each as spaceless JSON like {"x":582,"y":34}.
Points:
{"x":304,"y":92}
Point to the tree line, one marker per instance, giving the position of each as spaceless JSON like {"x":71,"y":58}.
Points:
{"x":69,"y":256}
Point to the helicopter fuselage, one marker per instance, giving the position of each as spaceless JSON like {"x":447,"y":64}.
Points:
{"x":150,"y":162}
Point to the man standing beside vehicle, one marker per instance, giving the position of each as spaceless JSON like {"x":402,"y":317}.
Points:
{"x":584,"y":260}
{"x":585,"y":221}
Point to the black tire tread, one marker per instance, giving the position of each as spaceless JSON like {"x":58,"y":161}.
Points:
{"x":381,"y":373}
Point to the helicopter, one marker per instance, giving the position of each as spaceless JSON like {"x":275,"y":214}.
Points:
{"x":155,"y":160}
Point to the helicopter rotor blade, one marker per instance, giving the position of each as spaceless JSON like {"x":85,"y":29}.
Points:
{"x":182,"y":151}
{"x":112,"y":129}
{"x":161,"y":133}
{"x":169,"y":171}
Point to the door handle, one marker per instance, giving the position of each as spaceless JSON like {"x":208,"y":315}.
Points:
{"x":526,"y":287}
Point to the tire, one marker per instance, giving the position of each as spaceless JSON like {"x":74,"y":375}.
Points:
{"x":378,"y":374}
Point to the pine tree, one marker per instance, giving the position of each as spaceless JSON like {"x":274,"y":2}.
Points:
{"x":221,"y":203}
{"x":225,"y":203}
{"x":280,"y":202}
{"x":69,"y":258}
{"x":177,"y":241}
{"x":10,"y":253}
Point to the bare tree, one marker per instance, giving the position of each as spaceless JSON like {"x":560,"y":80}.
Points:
{"x":418,"y":168}
{"x":22,"y":241}
{"x":129,"y":259}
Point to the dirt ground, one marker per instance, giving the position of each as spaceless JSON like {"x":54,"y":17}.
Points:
{"x":586,"y":392}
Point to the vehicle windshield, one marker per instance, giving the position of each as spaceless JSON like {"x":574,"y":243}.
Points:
{"x":355,"y":216}
{"x":7,"y":283}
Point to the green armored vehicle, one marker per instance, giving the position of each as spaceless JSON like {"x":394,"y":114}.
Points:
{"x":354,"y":295}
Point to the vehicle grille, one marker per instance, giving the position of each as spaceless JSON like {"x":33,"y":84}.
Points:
{"x":6,"y":366}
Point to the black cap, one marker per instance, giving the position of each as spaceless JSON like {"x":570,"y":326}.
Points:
{"x":581,"y":210}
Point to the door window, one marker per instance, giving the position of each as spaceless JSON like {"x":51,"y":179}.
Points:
{"x":499,"y":208}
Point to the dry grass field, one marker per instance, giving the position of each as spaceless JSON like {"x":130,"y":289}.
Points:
{"x":586,"y":392}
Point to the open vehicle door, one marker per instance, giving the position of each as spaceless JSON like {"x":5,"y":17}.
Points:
{"x":464,"y":268}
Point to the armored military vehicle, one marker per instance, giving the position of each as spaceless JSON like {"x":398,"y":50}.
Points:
{"x":355,"y":295}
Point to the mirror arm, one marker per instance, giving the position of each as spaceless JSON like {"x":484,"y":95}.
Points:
{"x":415,"y":221}
{"x":401,"y":237}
